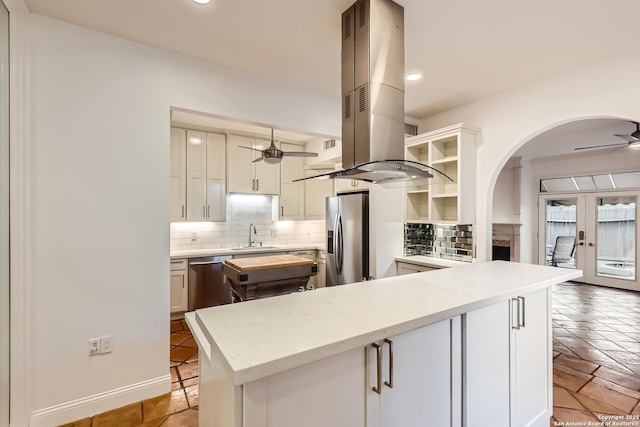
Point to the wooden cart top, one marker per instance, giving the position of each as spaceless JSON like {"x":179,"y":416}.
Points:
{"x":265,"y":262}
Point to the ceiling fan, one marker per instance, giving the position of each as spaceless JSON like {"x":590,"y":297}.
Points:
{"x":273,"y":154}
{"x":632,"y":140}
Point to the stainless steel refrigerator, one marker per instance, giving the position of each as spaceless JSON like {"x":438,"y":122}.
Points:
{"x":347,"y":238}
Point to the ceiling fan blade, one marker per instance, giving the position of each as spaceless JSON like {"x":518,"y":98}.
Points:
{"x":299,"y":154}
{"x":619,"y":148}
{"x":627,"y":138}
{"x":258,"y":159}
{"x":249,"y":148}
{"x":601,"y":146}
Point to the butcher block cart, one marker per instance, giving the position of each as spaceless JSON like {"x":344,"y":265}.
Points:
{"x":267,"y":276}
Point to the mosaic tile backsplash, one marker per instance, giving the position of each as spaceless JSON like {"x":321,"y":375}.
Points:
{"x":439,"y":240}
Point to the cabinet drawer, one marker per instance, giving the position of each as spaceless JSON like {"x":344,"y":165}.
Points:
{"x":178,"y":264}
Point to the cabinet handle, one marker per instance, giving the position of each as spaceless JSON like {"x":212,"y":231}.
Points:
{"x":390,"y":382}
{"x":257,"y":185}
{"x":182,"y":211}
{"x":281,"y":210}
{"x":521,"y":312}
{"x":203,"y":214}
{"x":517,"y":311}
{"x":378,"y":387}
{"x":208,"y":211}
{"x":253,"y":185}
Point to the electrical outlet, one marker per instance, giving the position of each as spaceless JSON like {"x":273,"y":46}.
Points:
{"x":94,"y":346}
{"x":274,"y":232}
{"x":106,"y":344}
{"x":194,"y":236}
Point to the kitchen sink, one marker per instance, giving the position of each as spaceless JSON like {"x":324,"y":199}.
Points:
{"x":252,"y":248}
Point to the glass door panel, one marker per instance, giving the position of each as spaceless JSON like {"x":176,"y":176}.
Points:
{"x":611,"y":247}
{"x":561,"y":230}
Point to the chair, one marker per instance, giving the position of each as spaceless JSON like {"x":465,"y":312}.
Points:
{"x":563,"y":250}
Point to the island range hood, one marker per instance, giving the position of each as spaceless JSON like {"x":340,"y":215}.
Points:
{"x":373,"y":99}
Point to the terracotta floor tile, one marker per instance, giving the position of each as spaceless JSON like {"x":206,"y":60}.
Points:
{"x":636,"y":410}
{"x":155,"y":423}
{"x":613,"y":398}
{"x":633,"y":347}
{"x":591,"y":354}
{"x":180,"y":354}
{"x":622,"y":356}
{"x":165,"y":404}
{"x":127,"y":416}
{"x":188,"y":418}
{"x":595,"y":405}
{"x":192,"y":395}
{"x":177,"y":339}
{"x":617,"y":387}
{"x":572,"y":342}
{"x":572,"y":415}
{"x":563,"y":399}
{"x":568,"y":381}
{"x":176,"y":325}
{"x":561,"y":332}
{"x":190,"y":382}
{"x":601,"y":344}
{"x":576,"y":363}
{"x":174,"y":375}
{"x":188,"y":370}
{"x":190,"y":342}
{"x":81,"y":423}
{"x":621,"y":378}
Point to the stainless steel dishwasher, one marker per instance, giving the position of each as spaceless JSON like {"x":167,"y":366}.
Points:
{"x":207,"y":284}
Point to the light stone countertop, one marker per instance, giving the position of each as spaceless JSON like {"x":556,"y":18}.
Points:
{"x":258,"y":338}
{"x":229,"y":251}
{"x":428,"y":261}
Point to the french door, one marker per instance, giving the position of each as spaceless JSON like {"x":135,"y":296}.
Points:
{"x":597,"y":233}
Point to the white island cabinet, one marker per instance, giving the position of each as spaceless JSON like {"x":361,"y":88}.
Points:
{"x":314,"y":358}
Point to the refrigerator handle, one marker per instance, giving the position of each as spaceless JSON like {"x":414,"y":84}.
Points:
{"x":335,"y":243}
{"x":340,"y":242}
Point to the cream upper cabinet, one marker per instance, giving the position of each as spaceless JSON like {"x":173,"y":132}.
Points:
{"x":292,"y":194}
{"x":245,"y":176}
{"x":452,"y":151}
{"x":206,"y":200}
{"x":178,"y":175}
{"x":315,"y":194}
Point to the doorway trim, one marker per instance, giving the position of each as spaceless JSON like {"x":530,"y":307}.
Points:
{"x":20,"y":212}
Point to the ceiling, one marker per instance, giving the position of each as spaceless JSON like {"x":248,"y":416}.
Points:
{"x":466,"y":49}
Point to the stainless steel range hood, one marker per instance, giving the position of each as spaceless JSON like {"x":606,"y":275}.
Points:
{"x":373,"y":98}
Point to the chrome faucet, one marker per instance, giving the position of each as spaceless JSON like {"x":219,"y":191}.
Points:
{"x":251,"y":241}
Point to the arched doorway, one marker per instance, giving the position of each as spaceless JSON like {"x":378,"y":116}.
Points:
{"x":553,"y":154}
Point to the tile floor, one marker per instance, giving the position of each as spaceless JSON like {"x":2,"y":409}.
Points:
{"x":596,"y":338}
{"x":596,"y":342}
{"x":179,"y":408}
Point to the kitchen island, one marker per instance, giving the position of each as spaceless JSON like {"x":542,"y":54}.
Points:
{"x":434,"y":348}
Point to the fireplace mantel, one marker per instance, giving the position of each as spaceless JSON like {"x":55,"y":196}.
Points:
{"x":507,"y":235}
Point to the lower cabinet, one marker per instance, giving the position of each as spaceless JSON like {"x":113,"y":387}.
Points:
{"x":178,"y":286}
{"x":414,"y":379}
{"x":410,"y":379}
{"x":508,"y":363}
{"x":409,"y":268}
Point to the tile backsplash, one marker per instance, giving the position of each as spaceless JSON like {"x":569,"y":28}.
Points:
{"x":439,"y":240}
{"x":243,"y":210}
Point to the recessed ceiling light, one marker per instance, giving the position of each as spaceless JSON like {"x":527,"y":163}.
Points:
{"x":202,"y":1}
{"x":414,"y":76}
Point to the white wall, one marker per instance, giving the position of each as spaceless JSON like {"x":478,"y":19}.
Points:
{"x":100,"y":221}
{"x":508,"y":120}
{"x":506,"y":197}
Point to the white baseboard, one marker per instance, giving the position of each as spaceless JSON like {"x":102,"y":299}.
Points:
{"x":92,"y":405}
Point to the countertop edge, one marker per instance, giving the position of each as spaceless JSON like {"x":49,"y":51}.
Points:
{"x":432,"y":261}
{"x":194,"y":253}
